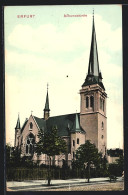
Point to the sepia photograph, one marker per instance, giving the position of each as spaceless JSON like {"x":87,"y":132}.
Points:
{"x":64,"y":98}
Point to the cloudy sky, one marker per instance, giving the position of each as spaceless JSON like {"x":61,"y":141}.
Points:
{"x":48,"y":47}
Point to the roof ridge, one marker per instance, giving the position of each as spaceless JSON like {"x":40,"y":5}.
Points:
{"x":63,"y":115}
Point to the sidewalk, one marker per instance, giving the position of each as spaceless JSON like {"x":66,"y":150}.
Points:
{"x":37,"y":185}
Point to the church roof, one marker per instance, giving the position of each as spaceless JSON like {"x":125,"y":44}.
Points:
{"x":66,"y":124}
{"x":40,"y":122}
{"x":24,"y":124}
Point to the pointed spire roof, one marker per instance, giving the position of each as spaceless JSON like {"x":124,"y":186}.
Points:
{"x":76,"y":126}
{"x":94,"y":75}
{"x":47,"y":102}
{"x":93,"y":67}
{"x":18,"y":123}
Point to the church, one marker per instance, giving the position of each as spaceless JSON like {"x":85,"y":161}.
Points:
{"x":75,"y":129}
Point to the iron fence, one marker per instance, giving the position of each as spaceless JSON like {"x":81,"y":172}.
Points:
{"x":21,"y":174}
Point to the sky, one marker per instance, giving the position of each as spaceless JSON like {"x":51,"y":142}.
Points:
{"x":46,"y":48}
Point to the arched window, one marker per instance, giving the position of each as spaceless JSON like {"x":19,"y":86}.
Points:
{"x":103,"y":105}
{"x":92,"y":101}
{"x":73,"y":142}
{"x":77,"y":140}
{"x":73,"y":154}
{"x":87,"y":102}
{"x":100,"y":103}
{"x":22,"y":140}
{"x":30,"y":141}
{"x":102,"y":125}
{"x":31,"y":125}
{"x":102,"y":136}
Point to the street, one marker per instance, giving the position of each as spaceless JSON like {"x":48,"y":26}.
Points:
{"x":96,"y":184}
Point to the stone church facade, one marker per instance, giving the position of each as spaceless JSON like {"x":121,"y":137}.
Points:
{"x":75,"y":129}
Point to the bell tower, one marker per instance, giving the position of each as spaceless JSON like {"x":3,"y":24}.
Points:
{"x":93,"y":101}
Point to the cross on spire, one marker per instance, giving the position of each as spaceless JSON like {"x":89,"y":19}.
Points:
{"x":47,"y":86}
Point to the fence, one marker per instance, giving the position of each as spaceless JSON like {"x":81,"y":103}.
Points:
{"x":21,"y":174}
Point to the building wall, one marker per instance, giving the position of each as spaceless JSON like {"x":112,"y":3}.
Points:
{"x":112,"y":159}
{"x":17,"y":137}
{"x":92,"y":118}
{"x":74,"y":137}
{"x":27,"y":130}
{"x":89,"y":122}
{"x":102,"y":133}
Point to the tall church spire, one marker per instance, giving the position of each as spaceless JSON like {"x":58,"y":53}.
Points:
{"x":46,"y":109}
{"x":94,"y":75}
{"x":93,"y":60}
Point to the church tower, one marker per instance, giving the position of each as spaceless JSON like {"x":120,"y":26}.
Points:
{"x":46,"y":109}
{"x":93,"y":101}
{"x":17,"y":132}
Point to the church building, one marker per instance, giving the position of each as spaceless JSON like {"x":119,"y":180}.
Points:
{"x":75,"y":129}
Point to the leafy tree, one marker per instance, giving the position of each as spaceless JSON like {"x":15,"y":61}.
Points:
{"x":116,"y":168}
{"x":13,"y":158}
{"x":87,"y":155}
{"x":120,"y":164}
{"x":8,"y":155}
{"x":113,"y":169}
{"x":51,"y":144}
{"x":102,"y":167}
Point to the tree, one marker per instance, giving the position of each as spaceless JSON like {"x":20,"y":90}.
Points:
{"x":120,"y":164}
{"x":87,"y":155}
{"x":13,"y":158}
{"x":51,"y":144}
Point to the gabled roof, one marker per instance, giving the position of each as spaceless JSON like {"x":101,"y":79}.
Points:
{"x":26,"y":120}
{"x":65,"y":124}
{"x":40,"y":122}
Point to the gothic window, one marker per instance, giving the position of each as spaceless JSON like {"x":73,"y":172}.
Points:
{"x":73,"y":142}
{"x":22,"y":141}
{"x":31,"y":125}
{"x":102,"y":136}
{"x":92,"y":101}
{"x":103,"y":105}
{"x":26,"y":149}
{"x":30,"y":144}
{"x":102,"y":125}
{"x":77,"y":140}
{"x":100,"y":103}
{"x":87,"y":102}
